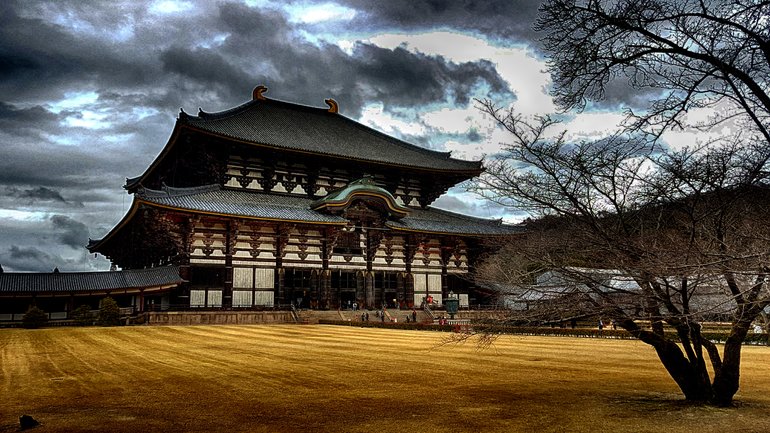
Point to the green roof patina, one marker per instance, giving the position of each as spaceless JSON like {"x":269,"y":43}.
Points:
{"x":365,"y":187}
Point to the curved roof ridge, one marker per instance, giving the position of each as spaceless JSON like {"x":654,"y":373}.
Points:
{"x":495,"y":221}
{"x":217,"y":115}
{"x":170,"y":191}
{"x":205,"y":117}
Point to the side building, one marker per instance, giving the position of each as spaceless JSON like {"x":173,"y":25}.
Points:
{"x":273,"y":203}
{"x":60,"y":293}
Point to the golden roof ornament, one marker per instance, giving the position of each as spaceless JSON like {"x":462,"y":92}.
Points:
{"x":257,"y":94}
{"x":333,"y":106}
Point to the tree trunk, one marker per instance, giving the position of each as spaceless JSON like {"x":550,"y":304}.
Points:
{"x":688,"y":376}
{"x":692,"y":378}
{"x":727,"y":378}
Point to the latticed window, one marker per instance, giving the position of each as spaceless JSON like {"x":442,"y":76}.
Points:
{"x":297,"y":278}
{"x":386,"y":280}
{"x":344,"y":280}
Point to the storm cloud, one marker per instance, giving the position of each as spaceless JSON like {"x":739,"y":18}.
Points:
{"x":89,"y":91}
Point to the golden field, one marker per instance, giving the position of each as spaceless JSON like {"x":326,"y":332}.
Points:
{"x":292,"y":378}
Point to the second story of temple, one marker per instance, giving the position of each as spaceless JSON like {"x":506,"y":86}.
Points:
{"x":272,"y":146}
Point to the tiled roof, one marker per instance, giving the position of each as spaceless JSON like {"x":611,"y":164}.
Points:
{"x":213,"y":199}
{"x":441,"y":221}
{"x":316,"y":130}
{"x":69,"y":282}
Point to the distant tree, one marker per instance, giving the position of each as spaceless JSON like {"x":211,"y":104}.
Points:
{"x":34,"y":318}
{"x":109,"y":313}
{"x":82,"y":315}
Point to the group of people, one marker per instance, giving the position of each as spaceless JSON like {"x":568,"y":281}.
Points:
{"x":381,"y":315}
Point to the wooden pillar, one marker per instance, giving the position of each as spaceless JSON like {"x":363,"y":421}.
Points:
{"x":140,"y":301}
{"x":70,"y":305}
{"x":447,"y":248}
{"x":409,"y":289}
{"x":361,"y":288}
{"x":325,"y":289}
{"x":315,"y":295}
{"x":327,"y":248}
{"x":410,"y":249}
{"x":278,"y":282}
{"x":369,"y":289}
{"x":231,"y":238}
{"x":373,"y":238}
{"x":281,"y":240}
{"x":185,"y":272}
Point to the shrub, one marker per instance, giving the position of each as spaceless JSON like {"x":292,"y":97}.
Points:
{"x":82,"y":316}
{"x":34,"y":318}
{"x":109,"y":313}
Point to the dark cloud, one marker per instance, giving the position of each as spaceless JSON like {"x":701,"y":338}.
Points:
{"x":69,"y":160}
{"x":26,"y":121}
{"x":37,"y":57}
{"x":497,"y":19}
{"x":203,"y":65}
{"x":34,"y":115}
{"x":39,"y":193}
{"x":307,"y":72}
{"x":620,"y":94}
{"x":70,"y":232}
{"x":474,"y":136}
{"x":29,"y":259}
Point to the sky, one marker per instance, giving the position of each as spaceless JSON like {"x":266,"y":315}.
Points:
{"x":90,"y":90}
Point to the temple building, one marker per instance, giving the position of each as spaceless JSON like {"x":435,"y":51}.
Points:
{"x":274,"y":203}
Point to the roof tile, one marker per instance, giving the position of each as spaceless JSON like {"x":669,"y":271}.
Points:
{"x":315,"y":130}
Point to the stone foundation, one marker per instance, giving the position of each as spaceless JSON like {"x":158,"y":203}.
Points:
{"x":218,"y":317}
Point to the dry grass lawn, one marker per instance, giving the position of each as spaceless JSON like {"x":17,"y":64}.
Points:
{"x":324,"y":378}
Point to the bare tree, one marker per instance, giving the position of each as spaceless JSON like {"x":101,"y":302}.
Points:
{"x":692,"y":53}
{"x":687,"y":227}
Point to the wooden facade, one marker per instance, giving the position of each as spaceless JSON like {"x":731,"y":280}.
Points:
{"x":273,"y":203}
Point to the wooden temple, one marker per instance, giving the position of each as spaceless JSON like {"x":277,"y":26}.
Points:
{"x":274,"y":203}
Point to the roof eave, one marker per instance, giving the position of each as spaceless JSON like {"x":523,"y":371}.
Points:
{"x":468,"y":173}
{"x":132,"y":184}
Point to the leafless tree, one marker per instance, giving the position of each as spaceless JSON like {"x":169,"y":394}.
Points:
{"x":692,"y":53}
{"x":688,"y":227}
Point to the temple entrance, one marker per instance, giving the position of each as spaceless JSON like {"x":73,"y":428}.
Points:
{"x":343,"y":286}
{"x":298,"y":285}
{"x":386,"y":289}
{"x":347,"y":298}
